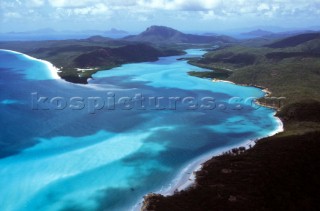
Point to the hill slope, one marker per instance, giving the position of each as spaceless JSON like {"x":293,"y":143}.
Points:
{"x":258,"y":33}
{"x":283,"y":71}
{"x":116,"y":56}
{"x":281,"y":172}
{"x":295,"y":40}
{"x":162,"y":34}
{"x":95,"y":53}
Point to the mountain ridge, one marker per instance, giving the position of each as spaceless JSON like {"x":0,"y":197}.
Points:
{"x":258,"y":33}
{"x":163,"y":34}
{"x":295,"y":40}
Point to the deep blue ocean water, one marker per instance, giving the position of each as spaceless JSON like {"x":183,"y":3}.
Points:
{"x":63,"y":154}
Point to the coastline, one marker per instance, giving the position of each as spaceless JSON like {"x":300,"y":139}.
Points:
{"x":182,"y":182}
{"x":52,"y":69}
{"x":186,"y":178}
{"x":264,"y":89}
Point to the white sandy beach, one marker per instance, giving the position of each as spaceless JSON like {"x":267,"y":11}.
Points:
{"x":186,"y":177}
{"x":53,"y":70}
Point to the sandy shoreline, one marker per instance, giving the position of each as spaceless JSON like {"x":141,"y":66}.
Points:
{"x":53,"y":70}
{"x":187,"y":177}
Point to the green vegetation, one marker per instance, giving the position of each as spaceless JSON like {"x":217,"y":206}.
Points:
{"x":101,"y":53}
{"x":218,"y":72}
{"x":93,"y":54}
{"x":278,"y":173}
{"x":211,"y":74}
{"x":292,"y":72}
{"x":294,"y":40}
{"x":281,"y":172}
{"x":165,"y":35}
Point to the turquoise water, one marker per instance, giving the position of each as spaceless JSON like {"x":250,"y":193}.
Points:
{"x":103,"y":158}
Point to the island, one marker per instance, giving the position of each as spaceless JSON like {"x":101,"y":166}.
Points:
{"x":280,"y":172}
{"x":78,"y":60}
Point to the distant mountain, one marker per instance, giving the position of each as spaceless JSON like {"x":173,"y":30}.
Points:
{"x":116,"y":31}
{"x":209,"y":34}
{"x":285,"y":34}
{"x":93,"y":32}
{"x":294,"y":40}
{"x":257,"y":33}
{"x":162,"y":34}
{"x":51,"y":34}
{"x":98,"y":38}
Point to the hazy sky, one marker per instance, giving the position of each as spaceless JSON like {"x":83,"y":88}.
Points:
{"x":135,"y":15}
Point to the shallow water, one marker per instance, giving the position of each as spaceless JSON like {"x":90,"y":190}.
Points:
{"x":95,"y":158}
